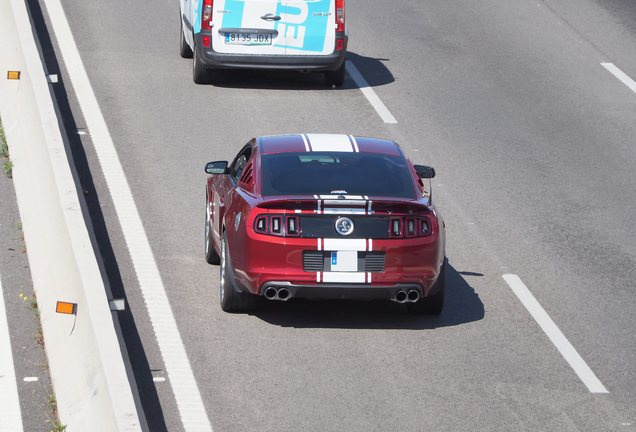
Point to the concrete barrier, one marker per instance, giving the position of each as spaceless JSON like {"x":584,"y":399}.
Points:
{"x":88,"y":364}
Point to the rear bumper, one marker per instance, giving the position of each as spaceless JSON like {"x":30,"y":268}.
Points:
{"x":341,"y":292}
{"x":215,"y":60}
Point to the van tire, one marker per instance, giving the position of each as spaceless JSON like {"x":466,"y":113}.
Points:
{"x":336,"y":78}
{"x":184,"y":48}
{"x":200,"y":74}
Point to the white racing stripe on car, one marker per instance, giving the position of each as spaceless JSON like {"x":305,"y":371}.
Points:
{"x":325,"y":203}
{"x":341,"y":244}
{"x":351,"y":202}
{"x":340,"y":210}
{"x":177,"y":365}
{"x":324,"y":142}
{"x":346,"y":197}
{"x":354,"y":142}
{"x":307,"y":145}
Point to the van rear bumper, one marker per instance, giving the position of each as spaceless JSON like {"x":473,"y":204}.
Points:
{"x":214,"y":60}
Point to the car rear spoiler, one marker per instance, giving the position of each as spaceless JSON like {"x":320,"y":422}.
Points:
{"x":334,"y":205}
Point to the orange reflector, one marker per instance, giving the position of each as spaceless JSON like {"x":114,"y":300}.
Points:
{"x":13,"y":75}
{"x":66,"y":308}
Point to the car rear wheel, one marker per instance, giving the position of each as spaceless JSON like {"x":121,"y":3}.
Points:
{"x":433,"y":304}
{"x":200,"y":74}
{"x":210,"y":253}
{"x":231,"y":299}
{"x":336,"y":78}
{"x":184,"y":48}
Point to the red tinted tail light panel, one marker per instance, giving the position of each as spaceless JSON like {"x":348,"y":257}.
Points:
{"x":340,"y":16}
{"x":206,"y":15}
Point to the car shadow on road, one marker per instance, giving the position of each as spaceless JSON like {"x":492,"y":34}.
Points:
{"x":372,"y":69}
{"x":462,"y":305}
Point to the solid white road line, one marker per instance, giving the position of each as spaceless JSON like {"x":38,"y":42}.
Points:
{"x":620,"y":75}
{"x":184,"y":386}
{"x":556,"y":336}
{"x":10,"y":416}
{"x":373,"y":99}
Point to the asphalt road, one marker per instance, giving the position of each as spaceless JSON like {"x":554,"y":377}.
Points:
{"x":533,"y":142}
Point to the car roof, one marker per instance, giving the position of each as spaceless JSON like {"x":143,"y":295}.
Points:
{"x":328,"y":143}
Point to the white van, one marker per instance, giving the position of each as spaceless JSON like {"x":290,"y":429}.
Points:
{"x":306,"y":35}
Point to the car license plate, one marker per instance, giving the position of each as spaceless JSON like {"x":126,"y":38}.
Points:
{"x":344,"y":261}
{"x":248,"y":39}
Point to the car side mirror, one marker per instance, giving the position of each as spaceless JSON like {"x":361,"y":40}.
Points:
{"x":425,"y":171}
{"x":217,"y":167}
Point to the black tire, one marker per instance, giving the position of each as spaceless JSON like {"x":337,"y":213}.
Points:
{"x":337,"y":77}
{"x":433,"y":304}
{"x":231,"y":300}
{"x":200,"y":74}
{"x":210,"y":253}
{"x":184,"y":49}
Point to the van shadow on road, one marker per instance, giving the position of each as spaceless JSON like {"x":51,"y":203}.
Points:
{"x":372,"y":69}
{"x":462,"y":306}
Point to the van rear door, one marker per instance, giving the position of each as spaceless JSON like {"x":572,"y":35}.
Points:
{"x":309,"y":27}
{"x":247,"y":26}
{"x":274,"y":27}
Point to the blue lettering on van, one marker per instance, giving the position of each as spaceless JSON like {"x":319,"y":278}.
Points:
{"x":304,"y":24}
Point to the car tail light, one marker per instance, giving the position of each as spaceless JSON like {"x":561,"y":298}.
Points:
{"x":206,"y":15}
{"x":278,"y":225}
{"x":261,"y":225}
{"x":409,"y":227}
{"x":396,"y":227}
{"x":425,"y":227}
{"x":292,"y":226}
{"x":340,"y":16}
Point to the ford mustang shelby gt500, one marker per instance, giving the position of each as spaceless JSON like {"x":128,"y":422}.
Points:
{"x":324,"y":217}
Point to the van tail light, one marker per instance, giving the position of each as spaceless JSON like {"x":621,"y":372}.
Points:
{"x":340,"y":16}
{"x":206,"y":15}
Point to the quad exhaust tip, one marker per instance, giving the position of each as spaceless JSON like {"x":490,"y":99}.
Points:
{"x":402,"y":296}
{"x":277,"y":293}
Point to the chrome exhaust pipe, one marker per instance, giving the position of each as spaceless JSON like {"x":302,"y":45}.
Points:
{"x":270,"y":293}
{"x":400,"y":297}
{"x":283,"y":294}
{"x":273,"y":293}
{"x":413,"y":296}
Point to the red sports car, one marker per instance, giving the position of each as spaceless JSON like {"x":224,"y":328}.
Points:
{"x":324,"y":217}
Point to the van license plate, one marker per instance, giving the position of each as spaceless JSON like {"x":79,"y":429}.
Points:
{"x":248,"y":39}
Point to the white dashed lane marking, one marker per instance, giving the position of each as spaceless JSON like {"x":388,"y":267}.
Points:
{"x":622,"y":76}
{"x":559,"y":340}
{"x":368,"y":92}
{"x":184,"y":386}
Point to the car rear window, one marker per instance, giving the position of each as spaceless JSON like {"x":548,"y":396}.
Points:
{"x":335,"y":173}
